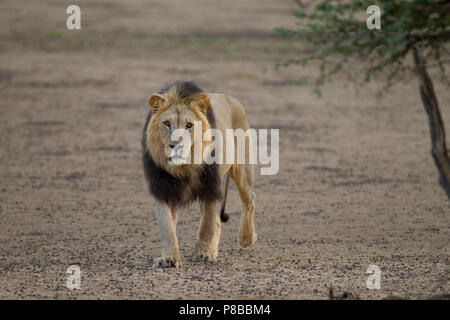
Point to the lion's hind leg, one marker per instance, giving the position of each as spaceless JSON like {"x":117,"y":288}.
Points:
{"x":242,"y":175}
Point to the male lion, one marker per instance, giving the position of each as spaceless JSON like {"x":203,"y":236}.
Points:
{"x":175,"y":184}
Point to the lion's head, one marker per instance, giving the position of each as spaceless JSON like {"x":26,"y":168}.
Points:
{"x":175,"y":115}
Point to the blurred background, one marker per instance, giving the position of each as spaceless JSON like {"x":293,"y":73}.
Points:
{"x":356,"y":187}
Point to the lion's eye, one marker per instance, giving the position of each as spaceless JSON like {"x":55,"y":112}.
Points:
{"x":166,"y":123}
{"x":189,"y":125}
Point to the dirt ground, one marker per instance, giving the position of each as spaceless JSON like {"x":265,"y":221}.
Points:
{"x":357,"y":185}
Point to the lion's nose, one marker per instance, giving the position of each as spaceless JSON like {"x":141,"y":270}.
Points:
{"x":171,"y":145}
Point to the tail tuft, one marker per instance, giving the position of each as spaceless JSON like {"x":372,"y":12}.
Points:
{"x":224,"y":216}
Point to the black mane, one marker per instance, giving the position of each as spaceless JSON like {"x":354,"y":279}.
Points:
{"x":179,"y":191}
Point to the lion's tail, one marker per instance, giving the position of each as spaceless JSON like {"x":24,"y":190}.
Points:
{"x":223,"y":215}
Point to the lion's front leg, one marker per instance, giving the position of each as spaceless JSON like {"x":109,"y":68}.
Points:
{"x":167,"y":220}
{"x":207,"y":246}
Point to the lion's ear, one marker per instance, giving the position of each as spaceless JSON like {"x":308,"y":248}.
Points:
{"x":201,"y":101}
{"x":156,"y":102}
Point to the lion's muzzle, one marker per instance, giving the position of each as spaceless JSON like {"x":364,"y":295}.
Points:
{"x":176,"y":155}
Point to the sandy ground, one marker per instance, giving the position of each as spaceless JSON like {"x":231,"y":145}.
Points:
{"x":356,"y":187}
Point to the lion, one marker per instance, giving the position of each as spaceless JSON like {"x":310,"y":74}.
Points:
{"x":175,"y":185}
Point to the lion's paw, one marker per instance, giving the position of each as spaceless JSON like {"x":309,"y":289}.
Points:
{"x":205,"y":257}
{"x":204,"y":253}
{"x":247,"y":240}
{"x":167,"y":262}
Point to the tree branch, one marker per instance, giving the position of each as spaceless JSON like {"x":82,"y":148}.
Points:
{"x":437,"y":132}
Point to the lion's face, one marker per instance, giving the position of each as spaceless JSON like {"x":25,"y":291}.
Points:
{"x":171,"y":135}
{"x":176,"y":129}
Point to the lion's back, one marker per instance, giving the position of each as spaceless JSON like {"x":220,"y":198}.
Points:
{"x":228,"y":111}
